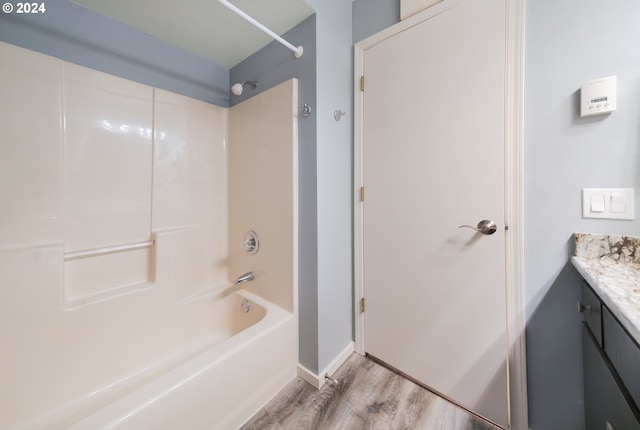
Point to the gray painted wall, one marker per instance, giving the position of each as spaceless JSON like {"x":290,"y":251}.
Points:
{"x":371,"y":16}
{"x":81,"y":36}
{"x":270,"y":66}
{"x":567,"y":44}
{"x":334,"y":164}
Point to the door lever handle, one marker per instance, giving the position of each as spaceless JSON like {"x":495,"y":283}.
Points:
{"x":485,"y":227}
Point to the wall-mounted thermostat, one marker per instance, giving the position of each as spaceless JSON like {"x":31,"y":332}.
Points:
{"x":598,"y":96}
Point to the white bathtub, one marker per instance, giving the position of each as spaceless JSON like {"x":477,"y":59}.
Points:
{"x":254,"y":357}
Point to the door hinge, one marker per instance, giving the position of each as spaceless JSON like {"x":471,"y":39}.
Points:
{"x":362,"y":194}
{"x":361,"y":83}
{"x":363,"y":305}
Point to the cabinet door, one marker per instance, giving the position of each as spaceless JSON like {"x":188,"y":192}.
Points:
{"x":604,"y":401}
{"x":623,"y":353}
{"x":592,"y":313}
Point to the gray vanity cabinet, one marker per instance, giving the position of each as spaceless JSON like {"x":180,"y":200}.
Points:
{"x":624,"y":354}
{"x":606,"y":395}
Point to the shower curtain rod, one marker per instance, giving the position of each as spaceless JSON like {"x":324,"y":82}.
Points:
{"x":297,"y":51}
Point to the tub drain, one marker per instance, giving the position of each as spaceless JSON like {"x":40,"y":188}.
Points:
{"x":246,"y":306}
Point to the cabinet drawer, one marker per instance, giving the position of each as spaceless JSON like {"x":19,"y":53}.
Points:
{"x":604,"y":400}
{"x":623,"y":352}
{"x":592,"y":312}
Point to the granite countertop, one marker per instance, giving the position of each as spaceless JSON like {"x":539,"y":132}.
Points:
{"x":611,"y":267}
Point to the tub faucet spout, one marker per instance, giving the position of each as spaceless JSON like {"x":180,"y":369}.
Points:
{"x":249,"y":276}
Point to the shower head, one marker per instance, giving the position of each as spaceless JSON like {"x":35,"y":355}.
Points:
{"x":238,"y":87}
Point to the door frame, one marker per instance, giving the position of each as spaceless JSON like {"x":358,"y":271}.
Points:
{"x":514,"y":193}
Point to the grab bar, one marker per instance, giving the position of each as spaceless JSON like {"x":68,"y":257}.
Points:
{"x":68,"y":256}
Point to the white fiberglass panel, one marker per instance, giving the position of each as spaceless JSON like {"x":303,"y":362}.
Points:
{"x":30,"y":179}
{"x":190,"y":180}
{"x":263,"y":162}
{"x":108,"y":159}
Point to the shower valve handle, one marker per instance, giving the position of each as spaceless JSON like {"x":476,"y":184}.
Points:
{"x":485,"y":227}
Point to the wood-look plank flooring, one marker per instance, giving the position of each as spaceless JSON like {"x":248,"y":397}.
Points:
{"x":368,"y":396}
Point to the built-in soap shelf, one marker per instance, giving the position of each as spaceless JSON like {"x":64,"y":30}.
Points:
{"x":98,"y":274}
{"x":76,"y":255}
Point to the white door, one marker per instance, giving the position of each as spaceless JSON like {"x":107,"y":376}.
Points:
{"x":433,"y":160}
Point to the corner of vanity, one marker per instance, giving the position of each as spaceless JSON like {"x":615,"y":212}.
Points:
{"x":610,"y":305}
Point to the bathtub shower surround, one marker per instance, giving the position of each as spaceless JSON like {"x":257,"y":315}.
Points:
{"x":116,"y":235}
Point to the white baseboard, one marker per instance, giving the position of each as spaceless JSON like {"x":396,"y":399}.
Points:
{"x":339,"y":360}
{"x":309,"y":376}
{"x":319,"y":380}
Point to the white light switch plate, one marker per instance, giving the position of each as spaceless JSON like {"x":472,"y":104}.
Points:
{"x":618,"y":203}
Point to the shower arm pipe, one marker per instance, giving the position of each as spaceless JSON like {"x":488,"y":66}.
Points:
{"x":68,"y":256}
{"x":297,"y":51}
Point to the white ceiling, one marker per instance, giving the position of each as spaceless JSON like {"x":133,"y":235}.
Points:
{"x":205,"y":27}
